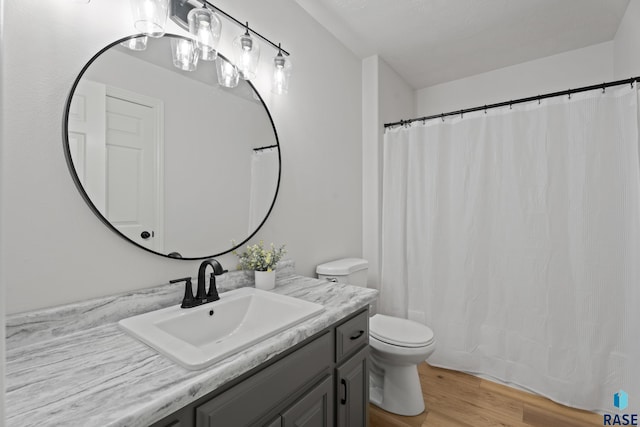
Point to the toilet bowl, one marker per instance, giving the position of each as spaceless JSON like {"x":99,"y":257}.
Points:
{"x":397,"y":347}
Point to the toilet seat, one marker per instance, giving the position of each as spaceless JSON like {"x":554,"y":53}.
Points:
{"x":399,"y":332}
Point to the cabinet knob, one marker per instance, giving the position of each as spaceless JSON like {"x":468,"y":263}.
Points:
{"x":145,"y":235}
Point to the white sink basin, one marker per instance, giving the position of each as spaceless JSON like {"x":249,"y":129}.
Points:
{"x":198,"y":337}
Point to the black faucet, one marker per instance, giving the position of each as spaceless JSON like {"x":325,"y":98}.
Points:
{"x":202,"y":296}
{"x":212,"y":295}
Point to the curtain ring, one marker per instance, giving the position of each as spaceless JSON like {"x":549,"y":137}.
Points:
{"x":632,"y":82}
{"x":442,"y":117}
{"x":604,"y":89}
{"x":569,"y":93}
{"x":462,"y":114}
{"x":510,"y":105}
{"x":485,"y":108}
{"x":538,"y":99}
{"x":424,"y":121}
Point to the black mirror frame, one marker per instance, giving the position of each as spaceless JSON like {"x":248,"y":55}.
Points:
{"x":87,"y":199}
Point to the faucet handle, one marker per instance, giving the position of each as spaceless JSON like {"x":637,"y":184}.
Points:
{"x":188,"y":300}
{"x":212,"y":295}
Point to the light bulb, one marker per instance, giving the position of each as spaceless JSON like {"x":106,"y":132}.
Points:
{"x":245,"y":63}
{"x":278,"y":79}
{"x":281,"y":74}
{"x":206,"y":27}
{"x":247,"y":55}
{"x":185,"y":54}
{"x":228,"y":75}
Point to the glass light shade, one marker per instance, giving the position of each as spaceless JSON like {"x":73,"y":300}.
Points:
{"x":228,"y":75}
{"x":185,"y":54}
{"x":281,"y":74}
{"x":247,"y":55}
{"x":205,"y":25}
{"x":136,"y":43}
{"x":150,"y":16}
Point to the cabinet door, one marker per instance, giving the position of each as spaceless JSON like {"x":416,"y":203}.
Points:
{"x":314,"y":409}
{"x":352,"y":395}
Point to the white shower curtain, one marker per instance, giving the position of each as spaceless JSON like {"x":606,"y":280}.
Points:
{"x":515,"y":235}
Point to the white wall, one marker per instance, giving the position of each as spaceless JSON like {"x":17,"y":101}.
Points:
{"x":384,"y":96}
{"x":60,"y":252}
{"x":580,"y":67}
{"x":370,"y":168}
{"x":2,"y":245}
{"x":626,"y":59}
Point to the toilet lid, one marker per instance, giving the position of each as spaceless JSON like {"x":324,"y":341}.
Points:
{"x":400,"y":332}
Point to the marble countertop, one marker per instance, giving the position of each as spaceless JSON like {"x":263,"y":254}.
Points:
{"x":62,"y":374}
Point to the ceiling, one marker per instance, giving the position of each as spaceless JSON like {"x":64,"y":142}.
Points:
{"x":434,"y":41}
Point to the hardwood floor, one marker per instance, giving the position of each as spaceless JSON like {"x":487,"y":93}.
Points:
{"x":455,"y":399}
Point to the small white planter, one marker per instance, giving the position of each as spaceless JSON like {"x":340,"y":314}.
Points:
{"x":265,"y":280}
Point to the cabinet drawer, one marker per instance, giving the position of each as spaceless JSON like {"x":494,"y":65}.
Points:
{"x":351,"y":335}
{"x":244,"y":403}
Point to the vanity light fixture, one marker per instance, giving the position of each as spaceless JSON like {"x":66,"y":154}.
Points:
{"x":185,"y":54}
{"x":202,"y":20}
{"x":205,"y":25}
{"x":281,"y":73}
{"x":136,"y":43}
{"x":150,"y":16}
{"x":247,"y":54}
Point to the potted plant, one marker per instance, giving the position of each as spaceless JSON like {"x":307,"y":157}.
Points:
{"x":262,"y":261}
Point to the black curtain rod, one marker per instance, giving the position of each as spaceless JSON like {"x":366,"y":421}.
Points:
{"x":265,"y":148}
{"x":602,"y":86}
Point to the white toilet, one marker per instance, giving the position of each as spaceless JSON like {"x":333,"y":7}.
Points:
{"x":397,"y":347}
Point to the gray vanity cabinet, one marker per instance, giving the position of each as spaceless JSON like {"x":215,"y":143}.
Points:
{"x":321,"y":382}
{"x":352,"y":379}
{"x":352,"y":371}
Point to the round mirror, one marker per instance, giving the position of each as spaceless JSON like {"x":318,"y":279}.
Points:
{"x":169,"y":159}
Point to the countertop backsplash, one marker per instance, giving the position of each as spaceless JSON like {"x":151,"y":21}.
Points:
{"x":41,"y":325}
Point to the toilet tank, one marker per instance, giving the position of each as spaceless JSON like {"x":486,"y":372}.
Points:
{"x":352,"y":271}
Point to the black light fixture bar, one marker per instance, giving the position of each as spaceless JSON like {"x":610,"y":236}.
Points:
{"x":180,"y":9}
{"x":602,"y":86}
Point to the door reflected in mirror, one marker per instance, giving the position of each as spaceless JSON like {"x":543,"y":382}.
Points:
{"x":169,"y":159}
